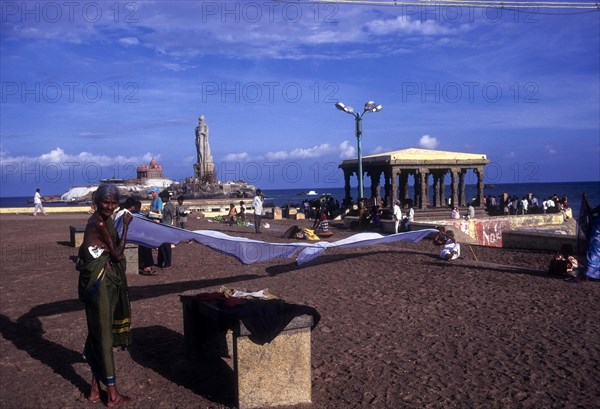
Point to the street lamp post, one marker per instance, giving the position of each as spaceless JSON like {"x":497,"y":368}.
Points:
{"x":370,"y":106}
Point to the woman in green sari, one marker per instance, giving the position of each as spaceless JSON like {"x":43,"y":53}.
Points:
{"x":103,"y":289}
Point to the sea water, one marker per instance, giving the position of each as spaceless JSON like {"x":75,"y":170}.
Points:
{"x":572,"y":190}
{"x":281,"y":197}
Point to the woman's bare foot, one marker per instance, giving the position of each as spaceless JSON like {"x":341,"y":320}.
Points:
{"x":95,"y":391}
{"x":114,"y":398}
{"x":121,"y":400}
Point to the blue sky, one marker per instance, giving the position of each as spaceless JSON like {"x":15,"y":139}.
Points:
{"x":91,"y":89}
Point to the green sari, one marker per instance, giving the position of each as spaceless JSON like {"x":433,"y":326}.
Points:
{"x":103,"y":289}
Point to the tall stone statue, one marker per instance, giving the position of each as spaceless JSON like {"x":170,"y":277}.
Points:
{"x":202,"y":146}
{"x":204,"y":169}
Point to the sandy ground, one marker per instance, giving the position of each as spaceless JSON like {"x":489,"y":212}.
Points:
{"x":399,"y":329}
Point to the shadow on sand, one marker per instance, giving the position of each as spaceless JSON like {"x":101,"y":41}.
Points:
{"x":166,"y":357}
{"x":163,"y":350}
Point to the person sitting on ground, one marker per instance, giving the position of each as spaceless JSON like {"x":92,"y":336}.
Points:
{"x":363,"y":215}
{"x":471,"y":211}
{"x":323,"y":226}
{"x":232,"y":214}
{"x":441,"y":237}
{"x":242,"y":213}
{"x":294,"y":232}
{"x":376,"y":213}
{"x":563,"y":263}
{"x":455,"y":213}
{"x":451,"y":249}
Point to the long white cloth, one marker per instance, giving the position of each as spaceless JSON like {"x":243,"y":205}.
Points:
{"x":143,"y":231}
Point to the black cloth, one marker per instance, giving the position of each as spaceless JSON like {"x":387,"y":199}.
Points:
{"x":265,"y":319}
{"x":291,"y":232}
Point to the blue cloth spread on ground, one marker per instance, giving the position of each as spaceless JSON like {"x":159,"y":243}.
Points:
{"x":143,"y":231}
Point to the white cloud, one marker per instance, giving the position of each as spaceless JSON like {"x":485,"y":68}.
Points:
{"x":279,"y":155}
{"x":314,"y":152}
{"x":129,"y":41}
{"x":237,"y":157}
{"x":428,"y":142}
{"x":58,"y":156}
{"x":297,"y":153}
{"x":551,"y":150}
{"x":176,"y":67}
{"x":405,"y":25}
{"x":347,"y":150}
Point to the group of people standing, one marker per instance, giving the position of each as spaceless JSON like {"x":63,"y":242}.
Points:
{"x":162,"y":210}
{"x":402,"y":223}
{"x":314,"y":209}
{"x":513,"y":205}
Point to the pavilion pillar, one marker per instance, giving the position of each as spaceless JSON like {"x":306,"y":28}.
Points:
{"x":479,"y":171}
{"x":404,"y":186}
{"x":454,"y":172}
{"x":442,"y":188}
{"x":436,"y":189}
{"x":417,"y":188}
{"x":461,"y":185}
{"x":387,"y":188}
{"x":394,"y":178}
{"x":423,"y":176}
{"x":375,"y":175}
{"x":347,"y":197}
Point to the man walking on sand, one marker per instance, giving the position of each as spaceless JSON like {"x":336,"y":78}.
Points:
{"x":37,"y":202}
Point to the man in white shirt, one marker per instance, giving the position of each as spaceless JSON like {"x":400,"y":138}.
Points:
{"x":257,"y":204}
{"x":37,"y":202}
{"x":397,"y":214}
{"x":524,"y":204}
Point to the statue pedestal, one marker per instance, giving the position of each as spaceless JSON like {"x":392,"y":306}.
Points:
{"x":205,"y":172}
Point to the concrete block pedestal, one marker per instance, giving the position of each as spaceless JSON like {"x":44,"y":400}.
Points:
{"x":274,"y":374}
{"x":131,"y":255}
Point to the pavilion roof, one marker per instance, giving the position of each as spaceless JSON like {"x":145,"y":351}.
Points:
{"x":417,"y":155}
